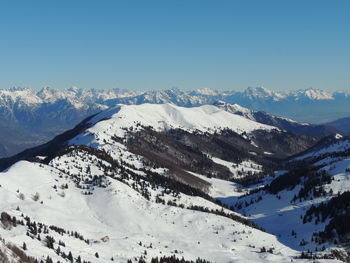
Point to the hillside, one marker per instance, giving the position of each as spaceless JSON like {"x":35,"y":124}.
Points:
{"x":280,"y":122}
{"x":342,"y":125}
{"x":180,"y":138}
{"x":36,"y":117}
{"x":101,"y":192}
{"x":307,"y":205}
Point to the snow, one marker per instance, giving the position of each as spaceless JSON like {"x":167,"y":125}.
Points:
{"x":121,"y":213}
{"x":206,"y":91}
{"x":23,"y":95}
{"x":338,"y":136}
{"x":340,"y":145}
{"x":318,"y":94}
{"x":236,"y":109}
{"x":263,"y":93}
{"x":279,"y":216}
{"x":126,"y":218}
{"x":311,"y":94}
{"x":244,"y":167}
{"x":207,"y":118}
{"x":221,"y":188}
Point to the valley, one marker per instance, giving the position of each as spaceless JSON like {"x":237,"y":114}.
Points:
{"x":37,"y":116}
{"x":141,"y":182}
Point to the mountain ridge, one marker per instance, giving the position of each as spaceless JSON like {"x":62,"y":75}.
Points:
{"x":148,"y":178}
{"x":160,"y":169}
{"x":37,"y":116}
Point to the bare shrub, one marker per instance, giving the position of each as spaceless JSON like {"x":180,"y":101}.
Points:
{"x":21,"y":254}
{"x":36,"y":196}
{"x":21,"y":196}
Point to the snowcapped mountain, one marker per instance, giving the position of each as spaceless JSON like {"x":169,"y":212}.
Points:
{"x":204,"y":119}
{"x":29,"y":118}
{"x":206,"y":91}
{"x":139,"y":182}
{"x":310,"y":94}
{"x":280,"y":122}
{"x":235,"y":109}
{"x":310,"y":105}
{"x":185,"y":125}
{"x":37,"y":116}
{"x":263,"y":93}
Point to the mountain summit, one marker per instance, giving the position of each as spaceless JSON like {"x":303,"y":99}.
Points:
{"x":140,"y":181}
{"x":38,"y":116}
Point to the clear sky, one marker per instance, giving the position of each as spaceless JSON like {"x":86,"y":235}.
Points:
{"x":188,"y":44}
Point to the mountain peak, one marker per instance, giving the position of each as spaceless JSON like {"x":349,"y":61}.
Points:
{"x":312,"y":94}
{"x":160,"y":117}
{"x":262,"y":93}
{"x":206,"y":91}
{"x":24,"y":96}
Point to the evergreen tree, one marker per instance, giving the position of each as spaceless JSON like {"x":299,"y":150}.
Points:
{"x":70,"y":256}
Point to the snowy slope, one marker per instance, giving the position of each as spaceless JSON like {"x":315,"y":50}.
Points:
{"x":280,"y":122}
{"x":283,"y":217}
{"x":49,"y":111}
{"x":124,"y":218}
{"x":160,"y":117}
{"x":98,"y":197}
{"x":203,"y":118}
{"x":239,"y":170}
{"x":330,"y":145}
{"x":284,"y":203}
{"x":236,"y":109}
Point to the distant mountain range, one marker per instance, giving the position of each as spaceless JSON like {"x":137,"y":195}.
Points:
{"x":29,"y":118}
{"x":310,"y":105}
{"x":280,"y":122}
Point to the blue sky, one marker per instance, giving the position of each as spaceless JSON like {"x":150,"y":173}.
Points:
{"x":188,"y":44}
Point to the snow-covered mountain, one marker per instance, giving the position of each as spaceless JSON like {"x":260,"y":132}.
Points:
{"x":280,"y":122}
{"x":307,"y":204}
{"x":138,"y":182}
{"x":310,"y":94}
{"x":36,"y":116}
{"x":310,"y":105}
{"x":203,"y":119}
{"x":234,"y":134}
{"x":29,"y":118}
